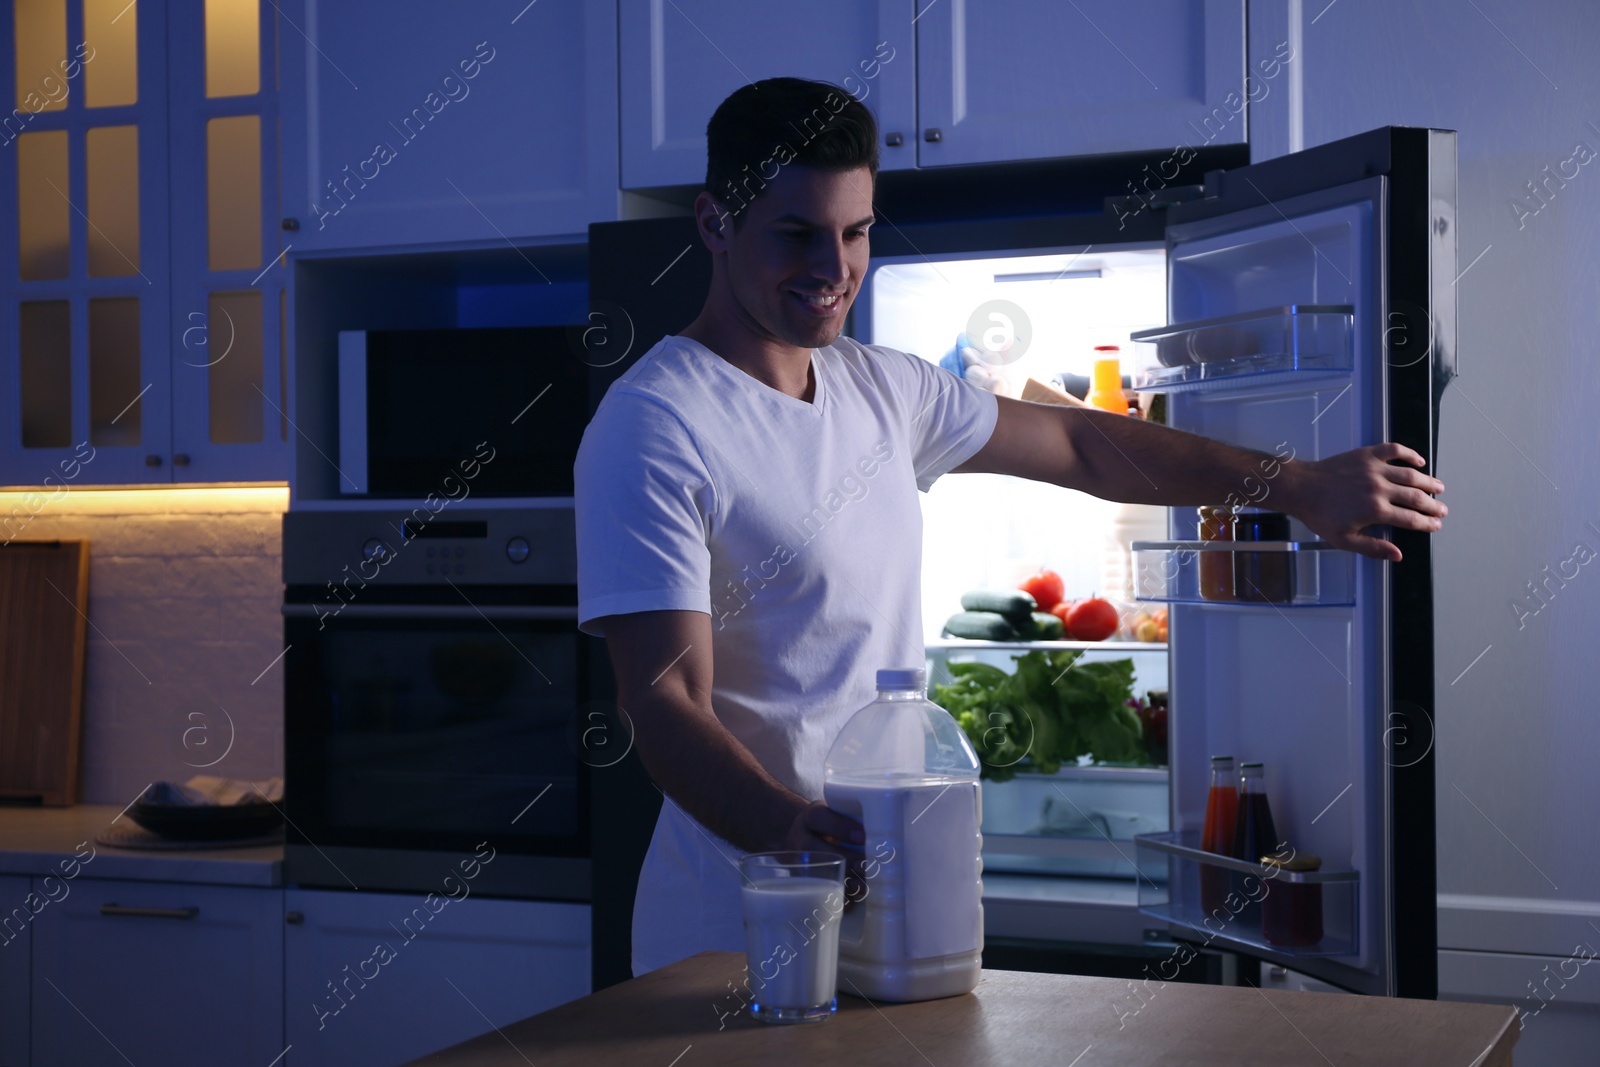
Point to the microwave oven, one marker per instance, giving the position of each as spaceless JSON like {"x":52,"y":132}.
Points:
{"x":505,"y":407}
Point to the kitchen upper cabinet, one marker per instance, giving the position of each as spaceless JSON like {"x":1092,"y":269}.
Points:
{"x":681,"y":58}
{"x":374,"y":979}
{"x":229,"y":367}
{"x":1010,"y":79}
{"x":84,"y":220}
{"x":16,"y":938}
{"x":155,"y":972}
{"x":141,"y":294}
{"x":406,"y":123}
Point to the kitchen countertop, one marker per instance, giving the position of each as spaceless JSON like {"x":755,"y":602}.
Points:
{"x":1013,"y":1017}
{"x":34,"y":841}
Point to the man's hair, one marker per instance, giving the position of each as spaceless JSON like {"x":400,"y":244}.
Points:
{"x":777,"y":122}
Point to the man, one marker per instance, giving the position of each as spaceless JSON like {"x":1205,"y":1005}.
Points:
{"x":749,"y":532}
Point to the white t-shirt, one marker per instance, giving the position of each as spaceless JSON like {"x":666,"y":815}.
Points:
{"x":796,"y":527}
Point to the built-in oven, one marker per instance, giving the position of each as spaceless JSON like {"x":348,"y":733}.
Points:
{"x":436,"y":692}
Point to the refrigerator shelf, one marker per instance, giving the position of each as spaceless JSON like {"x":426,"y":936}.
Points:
{"x":1172,"y":868}
{"x":1309,"y":574}
{"x":954,"y":644}
{"x":1053,"y":847}
{"x":1078,"y":821}
{"x":1298,"y":342}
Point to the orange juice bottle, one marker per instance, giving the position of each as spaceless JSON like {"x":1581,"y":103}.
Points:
{"x":1105,"y":390}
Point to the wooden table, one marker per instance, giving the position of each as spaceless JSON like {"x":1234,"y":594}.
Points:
{"x":671,"y":1017}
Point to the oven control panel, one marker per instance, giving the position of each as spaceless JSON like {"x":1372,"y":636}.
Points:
{"x":510,"y":546}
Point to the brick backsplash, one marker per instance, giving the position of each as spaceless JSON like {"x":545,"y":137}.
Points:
{"x":184,"y":594}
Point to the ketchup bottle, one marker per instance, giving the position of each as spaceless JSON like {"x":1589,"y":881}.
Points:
{"x":1222,"y":812}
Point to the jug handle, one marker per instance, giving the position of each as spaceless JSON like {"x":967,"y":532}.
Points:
{"x":852,"y":925}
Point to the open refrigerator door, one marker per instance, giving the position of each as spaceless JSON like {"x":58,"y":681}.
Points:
{"x":1311,"y":311}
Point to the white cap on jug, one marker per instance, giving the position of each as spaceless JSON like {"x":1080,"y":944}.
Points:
{"x":902,"y":678}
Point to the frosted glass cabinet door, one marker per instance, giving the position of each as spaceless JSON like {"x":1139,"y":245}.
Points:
{"x":410,"y":122}
{"x":229,"y":413}
{"x":84,"y":271}
{"x":1012,"y":79}
{"x":681,"y":58}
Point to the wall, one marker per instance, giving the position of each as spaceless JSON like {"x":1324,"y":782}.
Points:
{"x":185,"y":587}
{"x":1516,"y":727}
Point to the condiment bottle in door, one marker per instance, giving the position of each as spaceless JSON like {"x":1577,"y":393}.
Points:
{"x":1222,"y":811}
{"x":1254,"y":834}
{"x":905,"y":770}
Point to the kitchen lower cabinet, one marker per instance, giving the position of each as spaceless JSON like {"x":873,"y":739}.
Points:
{"x":16,"y":941}
{"x":156,"y":973}
{"x":408,"y":122}
{"x":1010,"y":80}
{"x":1558,"y":1004}
{"x":373,"y":979}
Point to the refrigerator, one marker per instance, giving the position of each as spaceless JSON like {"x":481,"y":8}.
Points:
{"x":1299,"y":306}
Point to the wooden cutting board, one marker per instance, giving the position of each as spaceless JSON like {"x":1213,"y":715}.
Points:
{"x":44,"y":613}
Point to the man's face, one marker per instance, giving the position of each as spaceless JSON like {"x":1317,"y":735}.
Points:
{"x":797,"y":259}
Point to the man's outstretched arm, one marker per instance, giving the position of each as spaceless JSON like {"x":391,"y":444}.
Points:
{"x":1137,"y":462}
{"x":663,"y":664}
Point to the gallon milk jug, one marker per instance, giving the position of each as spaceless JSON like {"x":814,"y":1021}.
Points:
{"x":903,"y":768}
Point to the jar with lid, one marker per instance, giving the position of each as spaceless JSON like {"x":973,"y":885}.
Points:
{"x":1291,"y":912}
{"x":1263,"y":577}
{"x":1216,"y":568}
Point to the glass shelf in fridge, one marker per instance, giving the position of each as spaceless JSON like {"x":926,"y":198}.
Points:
{"x":1249,"y":574}
{"x":1291,"y":913}
{"x":1079,"y":821}
{"x":1301,"y":341}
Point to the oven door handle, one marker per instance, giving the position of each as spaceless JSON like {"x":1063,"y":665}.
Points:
{"x":429,"y":611}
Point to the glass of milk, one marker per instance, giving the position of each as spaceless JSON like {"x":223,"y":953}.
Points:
{"x":792,"y":905}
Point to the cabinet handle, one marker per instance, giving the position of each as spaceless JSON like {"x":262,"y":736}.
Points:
{"x":150,"y":913}
{"x":152,"y":461}
{"x":295,"y":918}
{"x":180,"y":459}
{"x":932,"y":134}
{"x":894,"y":140}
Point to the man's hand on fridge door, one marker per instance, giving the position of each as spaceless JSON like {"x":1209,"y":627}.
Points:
{"x":1379,"y":485}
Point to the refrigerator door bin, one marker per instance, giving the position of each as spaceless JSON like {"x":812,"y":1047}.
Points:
{"x":1302,"y":573}
{"x":1300,"y":341}
{"x":1172,"y":868}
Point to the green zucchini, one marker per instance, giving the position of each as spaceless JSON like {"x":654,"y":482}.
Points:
{"x":1042,"y":626}
{"x":1014,"y":604}
{"x":980,"y":626}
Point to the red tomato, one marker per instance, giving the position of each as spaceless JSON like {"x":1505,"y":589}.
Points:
{"x":1091,"y":620}
{"x":1046,"y":587}
{"x":1061,"y":611}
